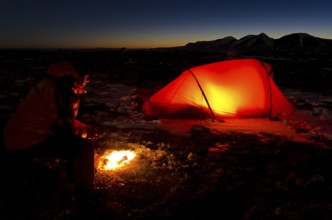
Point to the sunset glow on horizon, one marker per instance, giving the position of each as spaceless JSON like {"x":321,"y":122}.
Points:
{"x":153,"y":24}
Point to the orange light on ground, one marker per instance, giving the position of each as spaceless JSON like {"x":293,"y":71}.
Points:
{"x":115,"y":159}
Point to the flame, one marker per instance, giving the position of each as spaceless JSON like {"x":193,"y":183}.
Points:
{"x":115,"y":159}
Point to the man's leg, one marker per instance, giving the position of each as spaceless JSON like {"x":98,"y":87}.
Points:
{"x":84,"y":165}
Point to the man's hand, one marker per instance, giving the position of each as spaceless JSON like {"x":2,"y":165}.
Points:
{"x":92,"y":132}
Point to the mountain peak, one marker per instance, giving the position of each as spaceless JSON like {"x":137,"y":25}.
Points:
{"x":296,"y":42}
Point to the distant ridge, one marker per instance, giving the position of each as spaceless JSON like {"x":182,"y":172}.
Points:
{"x":292,"y":43}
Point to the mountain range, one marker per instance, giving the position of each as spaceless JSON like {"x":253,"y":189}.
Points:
{"x":261,"y":43}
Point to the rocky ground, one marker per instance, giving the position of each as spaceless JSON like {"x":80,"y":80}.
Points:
{"x":205,"y":174}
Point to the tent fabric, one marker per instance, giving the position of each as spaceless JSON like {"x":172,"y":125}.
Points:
{"x":228,"y":89}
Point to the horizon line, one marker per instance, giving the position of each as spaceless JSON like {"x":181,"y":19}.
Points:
{"x":149,"y":48}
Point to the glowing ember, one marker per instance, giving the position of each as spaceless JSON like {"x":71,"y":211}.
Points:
{"x":115,"y":159}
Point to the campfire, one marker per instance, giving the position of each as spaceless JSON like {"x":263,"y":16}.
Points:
{"x":113,"y":160}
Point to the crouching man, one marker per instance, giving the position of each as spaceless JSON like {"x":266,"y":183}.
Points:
{"x":45,"y":125}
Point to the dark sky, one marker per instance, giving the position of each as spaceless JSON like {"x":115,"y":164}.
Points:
{"x":154,"y":23}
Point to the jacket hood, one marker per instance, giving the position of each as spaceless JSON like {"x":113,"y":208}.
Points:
{"x":62,"y":68}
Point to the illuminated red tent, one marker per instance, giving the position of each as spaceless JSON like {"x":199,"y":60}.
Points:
{"x":228,"y":89}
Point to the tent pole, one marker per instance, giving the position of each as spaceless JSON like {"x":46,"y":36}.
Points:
{"x":269,"y":83}
{"x":213,"y":116}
